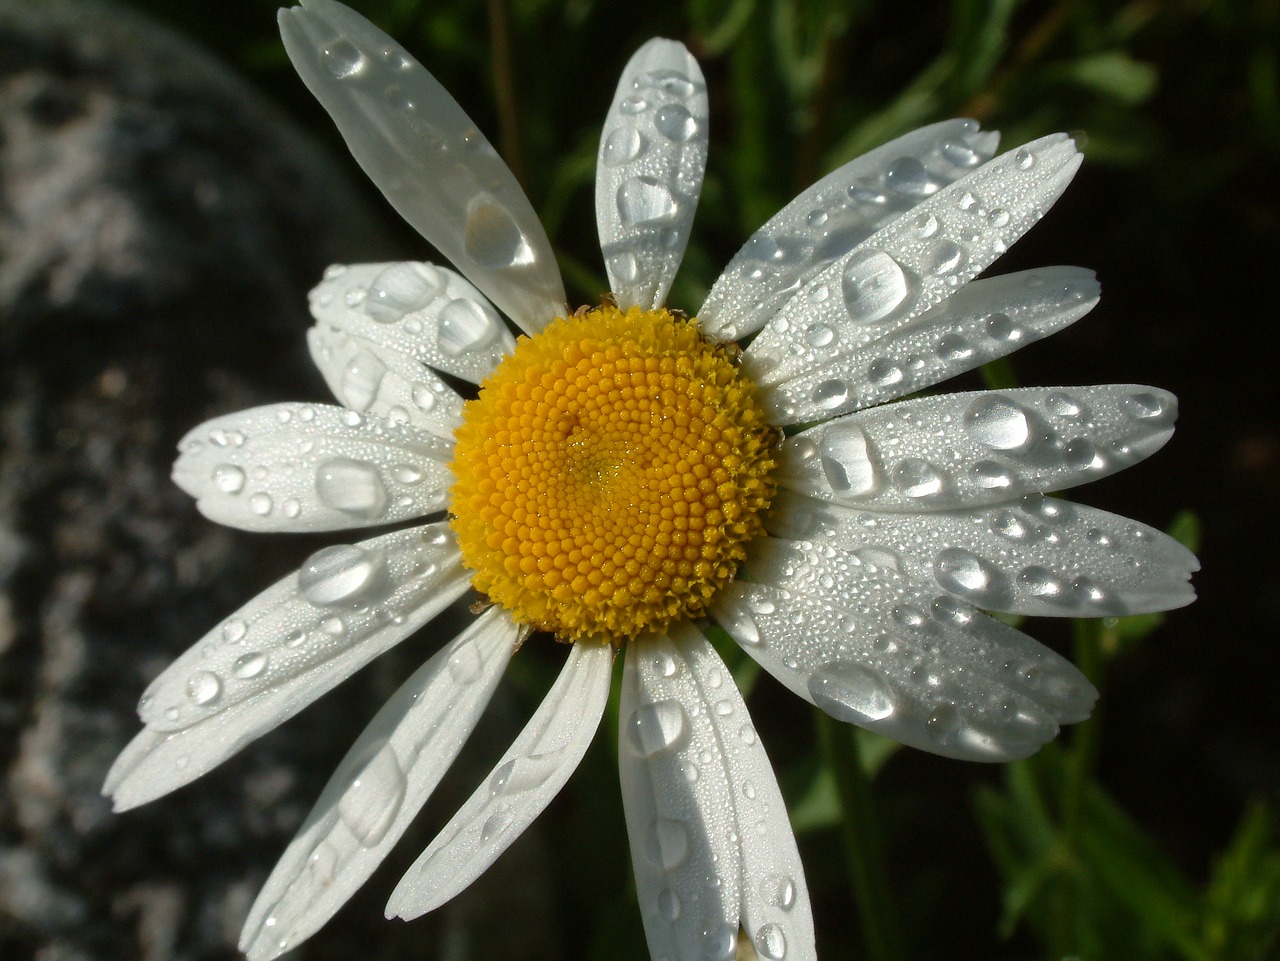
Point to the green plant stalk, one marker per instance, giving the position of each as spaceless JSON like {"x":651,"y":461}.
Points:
{"x":860,"y":834}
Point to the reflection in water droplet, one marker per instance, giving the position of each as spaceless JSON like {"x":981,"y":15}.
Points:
{"x":999,"y":423}
{"x":343,"y":574}
{"x":656,"y":727}
{"x":851,"y":692}
{"x":644,"y":202}
{"x":771,"y":943}
{"x":944,"y":257}
{"x":953,"y":347}
{"x":204,"y":688}
{"x":990,"y":475}
{"x":371,"y":802}
{"x":873,"y":286}
{"x":674,"y":122}
{"x":917,"y":478}
{"x":1041,"y":582}
{"x":352,"y":487}
{"x":465,"y":326}
{"x":249,"y":665}
{"x":830,"y":394}
{"x":492,"y":238}
{"x":907,"y":176}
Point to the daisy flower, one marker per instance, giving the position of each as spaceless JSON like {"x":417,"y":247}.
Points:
{"x":627,"y":476}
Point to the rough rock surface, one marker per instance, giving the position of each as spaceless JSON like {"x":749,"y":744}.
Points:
{"x":159,"y":226}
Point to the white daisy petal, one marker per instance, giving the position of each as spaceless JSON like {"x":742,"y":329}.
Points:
{"x":1039,"y":556}
{"x":428,"y":158}
{"x":528,"y":777}
{"x":919,"y":259}
{"x":379,"y":787}
{"x":649,"y":172}
{"x":421,"y":311}
{"x":830,"y":218}
{"x":311,"y":467}
{"x":866,"y":646}
{"x":986,"y":447}
{"x":984,"y":320}
{"x":281,"y":651}
{"x":679,"y":800}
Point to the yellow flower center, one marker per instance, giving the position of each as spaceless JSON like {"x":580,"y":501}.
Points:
{"x":610,"y":474}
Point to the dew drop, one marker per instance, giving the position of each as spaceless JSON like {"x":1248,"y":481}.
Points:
{"x":990,"y":475}
{"x":228,"y":478}
{"x":667,"y":844}
{"x":908,"y":176}
{"x":466,"y":664}
{"x":522,"y":774}
{"x":249,"y":665}
{"x":644,"y":202}
{"x":343,"y":59}
{"x":1040,"y":581}
{"x":373,"y":797}
{"x":400,"y":289}
{"x":360,"y":380}
{"x":465,"y":326}
{"x":884,"y":373}
{"x":830,"y":394}
{"x":960,"y":154}
{"x":1025,"y":159}
{"x":656,"y":727}
{"x":352,"y":487}
{"x":498,"y":822}
{"x":851,"y":692}
{"x":623,"y":145}
{"x":873,"y":286}
{"x":771,"y":943}
{"x":1144,"y":406}
{"x":1081,"y":454}
{"x":999,"y":423}
{"x":669,"y":905}
{"x":492,"y":238}
{"x":779,"y":890}
{"x":1000,"y":327}
{"x":633,"y":105}
{"x":998,"y":217}
{"x":343,"y":574}
{"x":953,"y":348}
{"x":261,"y":504}
{"x":917,"y":478}
{"x":819,"y":334}
{"x":965,"y":573}
{"x":944,"y":257}
{"x":848,"y":459}
{"x":204,"y":688}
{"x":234,"y":631}
{"x":719,"y":941}
{"x":926,"y":226}
{"x":674,"y":122}
{"x":1062,"y":404}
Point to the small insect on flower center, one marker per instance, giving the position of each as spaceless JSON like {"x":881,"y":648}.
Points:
{"x":610,"y":473}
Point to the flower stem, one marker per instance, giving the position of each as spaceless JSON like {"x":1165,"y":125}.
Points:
{"x":860,"y":833}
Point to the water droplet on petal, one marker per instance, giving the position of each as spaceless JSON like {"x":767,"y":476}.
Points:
{"x":771,"y":943}
{"x":352,"y":487}
{"x":918,"y":479}
{"x":465,"y":664}
{"x":204,"y":688}
{"x":401,"y":288}
{"x":719,"y":941}
{"x":908,"y":176}
{"x":522,"y":774}
{"x":667,"y":845}
{"x":779,"y":890}
{"x":848,"y":459}
{"x":261,"y":504}
{"x":1041,"y":582}
{"x":944,"y":257}
{"x":249,"y":665}
{"x":674,"y":122}
{"x":228,"y":478}
{"x":873,"y":286}
{"x":1144,"y":406}
{"x":372,"y":800}
{"x":669,"y":905}
{"x":360,"y":380}
{"x":656,"y":727}
{"x":465,"y":326}
{"x":623,"y":145}
{"x":644,"y":202}
{"x":343,"y":59}
{"x":830,"y":394}
{"x":851,"y":692}
{"x":342,"y":574}
{"x":492,"y":237}
{"x":999,"y":423}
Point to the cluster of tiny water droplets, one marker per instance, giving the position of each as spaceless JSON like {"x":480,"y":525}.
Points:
{"x":304,"y":467}
{"x":457,"y":192}
{"x":652,"y":155}
{"x":926,"y":669}
{"x":834,"y":217}
{"x":426,"y":314}
{"x":966,"y":450}
{"x":911,"y":264}
{"x":983,"y":321}
{"x":343,"y":595}
{"x":379,"y":786}
{"x":1037,"y":556}
{"x":685,"y":727}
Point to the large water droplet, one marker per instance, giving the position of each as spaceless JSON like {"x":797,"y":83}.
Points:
{"x":719,"y":941}
{"x":343,"y":574}
{"x":669,"y":81}
{"x":656,"y":727}
{"x":352,"y":487}
{"x":372,"y":800}
{"x":623,"y":145}
{"x":249,"y":665}
{"x":669,"y":905}
{"x":465,"y":326}
{"x":779,"y":890}
{"x":851,"y":692}
{"x":261,"y":503}
{"x":667,"y":844}
{"x":492,"y":237}
{"x":343,"y":59}
{"x":228,"y":478}
{"x":644,"y":202}
{"x":674,"y":122}
{"x":849,"y":460}
{"x":465,"y":664}
{"x":1145,"y":405}
{"x":522,"y":774}
{"x":918,"y":479}
{"x":965,"y":573}
{"x":873,"y":286}
{"x":830,"y":394}
{"x":771,"y":943}
{"x":944,"y":257}
{"x":361,"y":379}
{"x":204,"y":688}
{"x":908,"y":176}
{"x":1041,"y":582}
{"x":999,"y":423}
{"x":400,"y":289}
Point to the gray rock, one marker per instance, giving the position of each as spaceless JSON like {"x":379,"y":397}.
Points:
{"x":159,"y":227}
